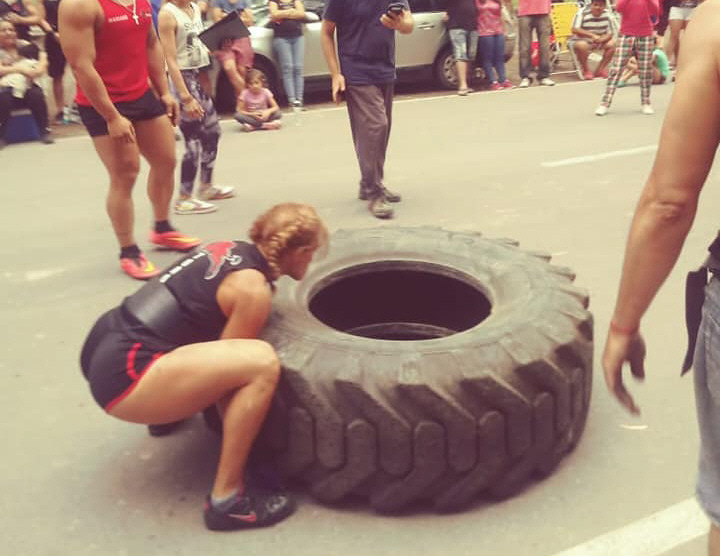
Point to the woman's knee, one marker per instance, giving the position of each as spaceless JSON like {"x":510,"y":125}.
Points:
{"x":262,"y":358}
{"x":268,"y":360}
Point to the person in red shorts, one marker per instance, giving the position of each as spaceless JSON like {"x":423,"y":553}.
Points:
{"x":115,"y":55}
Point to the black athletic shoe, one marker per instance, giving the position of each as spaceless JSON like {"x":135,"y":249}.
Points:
{"x":164,"y":429}
{"x":251,"y":509}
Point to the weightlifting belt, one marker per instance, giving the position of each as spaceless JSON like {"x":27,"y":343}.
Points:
{"x":156,"y":308}
{"x":695,"y":296}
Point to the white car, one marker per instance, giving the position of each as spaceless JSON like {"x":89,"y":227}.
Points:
{"x":424,"y":53}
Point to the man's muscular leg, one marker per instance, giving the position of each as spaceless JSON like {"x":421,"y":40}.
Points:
{"x":156,"y":141}
{"x":122,"y":162}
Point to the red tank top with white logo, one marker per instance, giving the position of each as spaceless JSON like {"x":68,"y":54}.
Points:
{"x":121,"y":51}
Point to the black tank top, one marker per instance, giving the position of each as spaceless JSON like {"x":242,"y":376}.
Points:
{"x":180,"y":305}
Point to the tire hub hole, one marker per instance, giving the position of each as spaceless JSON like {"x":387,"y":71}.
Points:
{"x":397,"y":300}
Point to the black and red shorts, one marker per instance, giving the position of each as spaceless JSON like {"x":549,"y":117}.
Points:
{"x":113,"y":359}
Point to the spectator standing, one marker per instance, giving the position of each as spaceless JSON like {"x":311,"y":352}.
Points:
{"x":235,"y":56}
{"x":115,"y":54}
{"x":33,"y":97}
{"x":491,"y":41}
{"x":180,"y":23}
{"x":636,"y":39}
{"x":462,"y":18}
{"x":534,"y":14}
{"x":56,"y":58}
{"x":258,"y":108}
{"x":678,"y":17}
{"x":365,"y":77}
{"x":23,"y":14}
{"x":289,"y":44}
{"x":593,"y":30}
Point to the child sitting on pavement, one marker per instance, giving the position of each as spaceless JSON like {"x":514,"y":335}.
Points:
{"x":661,"y":66}
{"x":593,"y":29}
{"x":19,"y":82}
{"x":257,"y":108}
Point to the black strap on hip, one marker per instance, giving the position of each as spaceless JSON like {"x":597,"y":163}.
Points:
{"x":695,"y":284}
{"x":157,"y":309}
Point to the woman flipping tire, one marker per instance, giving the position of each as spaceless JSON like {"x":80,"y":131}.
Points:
{"x":187,"y":340}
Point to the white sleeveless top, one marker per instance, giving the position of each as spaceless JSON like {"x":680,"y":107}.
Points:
{"x":191,"y":52}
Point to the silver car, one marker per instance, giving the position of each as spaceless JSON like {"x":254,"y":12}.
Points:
{"x":424,"y":53}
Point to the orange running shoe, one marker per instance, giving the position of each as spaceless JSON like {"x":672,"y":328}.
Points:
{"x":174,"y":240}
{"x":138,"y":267}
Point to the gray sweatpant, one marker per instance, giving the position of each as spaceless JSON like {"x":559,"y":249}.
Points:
{"x":370,"y":111}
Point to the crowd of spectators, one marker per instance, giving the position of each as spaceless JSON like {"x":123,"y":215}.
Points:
{"x":476,"y":28}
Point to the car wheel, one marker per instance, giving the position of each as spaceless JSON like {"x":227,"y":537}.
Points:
{"x":444,"y":69}
{"x":427,"y":365}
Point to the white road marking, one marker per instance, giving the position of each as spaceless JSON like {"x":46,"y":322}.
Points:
{"x":649,"y":536}
{"x":32,"y":275}
{"x":598,"y":156}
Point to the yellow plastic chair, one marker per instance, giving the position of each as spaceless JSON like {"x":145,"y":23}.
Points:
{"x":561,"y":17}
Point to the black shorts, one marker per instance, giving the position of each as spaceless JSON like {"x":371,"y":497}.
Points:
{"x":113,"y":361}
{"x":146,"y":107}
{"x":56,"y":58}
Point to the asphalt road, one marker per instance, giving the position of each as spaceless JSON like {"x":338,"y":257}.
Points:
{"x":527,"y":164}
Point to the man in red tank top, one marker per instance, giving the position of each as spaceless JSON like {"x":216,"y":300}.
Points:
{"x":115,"y":54}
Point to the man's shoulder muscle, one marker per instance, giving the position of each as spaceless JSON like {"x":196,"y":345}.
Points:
{"x":80,"y":11}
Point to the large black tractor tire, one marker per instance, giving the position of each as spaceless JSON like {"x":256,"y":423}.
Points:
{"x":427,"y":365}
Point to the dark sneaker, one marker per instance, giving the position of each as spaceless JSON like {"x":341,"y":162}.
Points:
{"x":164,"y":429}
{"x":252,"y":509}
{"x":365,"y":194}
{"x":380,"y":208}
{"x":46,"y":138}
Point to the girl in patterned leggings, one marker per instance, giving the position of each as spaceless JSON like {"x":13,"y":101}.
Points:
{"x":636,"y":38}
{"x":179,"y":25}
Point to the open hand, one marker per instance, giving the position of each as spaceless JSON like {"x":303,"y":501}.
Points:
{"x":621,"y":348}
{"x":192,"y":109}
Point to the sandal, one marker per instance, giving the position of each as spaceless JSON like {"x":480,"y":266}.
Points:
{"x":216,"y":192}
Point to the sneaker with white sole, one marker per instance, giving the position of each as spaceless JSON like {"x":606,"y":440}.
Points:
{"x":547,"y":82}
{"x":601,"y":110}
{"x":647,"y":110}
{"x":216,"y":192}
{"x":524,"y":83}
{"x":193,"y":206}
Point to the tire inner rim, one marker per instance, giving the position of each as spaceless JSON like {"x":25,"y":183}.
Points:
{"x":399,"y":300}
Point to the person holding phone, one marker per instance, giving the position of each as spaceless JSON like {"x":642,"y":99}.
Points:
{"x":365,"y":76}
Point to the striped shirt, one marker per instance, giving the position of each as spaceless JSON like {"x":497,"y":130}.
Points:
{"x":600,"y":25}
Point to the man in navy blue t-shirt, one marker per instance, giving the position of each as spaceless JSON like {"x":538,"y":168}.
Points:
{"x":366,"y":75}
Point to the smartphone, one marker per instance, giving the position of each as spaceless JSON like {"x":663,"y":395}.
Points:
{"x":395,"y":8}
